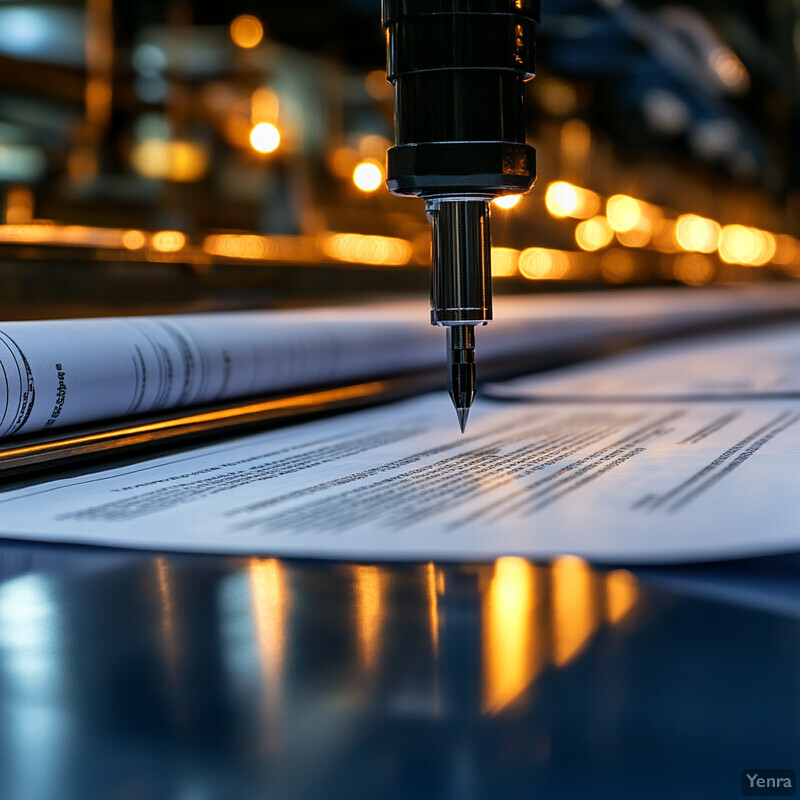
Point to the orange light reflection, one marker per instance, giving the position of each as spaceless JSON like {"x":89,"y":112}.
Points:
{"x":622,"y":593}
{"x":270,"y":597}
{"x":233,"y":416}
{"x":512,"y":653}
{"x":369,"y":589}
{"x":575,"y":615}
{"x":433,"y":605}
{"x":167,"y":615}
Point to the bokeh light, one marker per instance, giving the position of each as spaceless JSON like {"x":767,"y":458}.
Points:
{"x":767,"y":246}
{"x":541,"y":263}
{"x":729,"y":69}
{"x":505,"y":262}
{"x":247,"y":31}
{"x":378,"y":88}
{"x":563,"y":199}
{"x":134,"y":240}
{"x":264,"y":105}
{"x":367,"y":176}
{"x":693,"y":269}
{"x":168,"y":241}
{"x":740,"y":244}
{"x":265,"y":137}
{"x":361,"y":249}
{"x":177,"y":160}
{"x":624,"y":213}
{"x":593,"y":234}
{"x":638,"y":236}
{"x":787,"y":251}
{"x":697,"y":234}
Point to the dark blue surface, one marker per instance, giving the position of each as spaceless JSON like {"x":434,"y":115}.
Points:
{"x":136,"y":676}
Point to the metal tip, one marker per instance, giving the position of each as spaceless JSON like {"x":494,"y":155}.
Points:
{"x":461,"y":372}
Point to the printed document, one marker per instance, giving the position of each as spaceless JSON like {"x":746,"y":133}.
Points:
{"x":644,"y":479}
{"x":635,"y":484}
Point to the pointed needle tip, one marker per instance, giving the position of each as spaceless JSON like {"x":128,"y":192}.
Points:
{"x":463,"y":413}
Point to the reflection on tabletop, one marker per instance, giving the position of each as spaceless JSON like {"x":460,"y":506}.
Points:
{"x":182,"y":676}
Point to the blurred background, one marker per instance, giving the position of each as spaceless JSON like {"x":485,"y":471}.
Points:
{"x":167,"y":155}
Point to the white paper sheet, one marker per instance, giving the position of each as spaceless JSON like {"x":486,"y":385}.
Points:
{"x":66,"y":372}
{"x":58,"y":373}
{"x":764,"y":362}
{"x":635,"y":484}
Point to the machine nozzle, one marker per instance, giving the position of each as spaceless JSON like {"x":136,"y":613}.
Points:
{"x":459,"y":69}
{"x":461,"y":291}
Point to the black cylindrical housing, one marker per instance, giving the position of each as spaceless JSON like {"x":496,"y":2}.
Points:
{"x":490,"y":106}
{"x":458,"y":69}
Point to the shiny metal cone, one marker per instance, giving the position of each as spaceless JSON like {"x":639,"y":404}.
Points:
{"x":461,"y":369}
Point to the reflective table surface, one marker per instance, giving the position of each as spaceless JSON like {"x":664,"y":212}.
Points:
{"x":136,"y":676}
